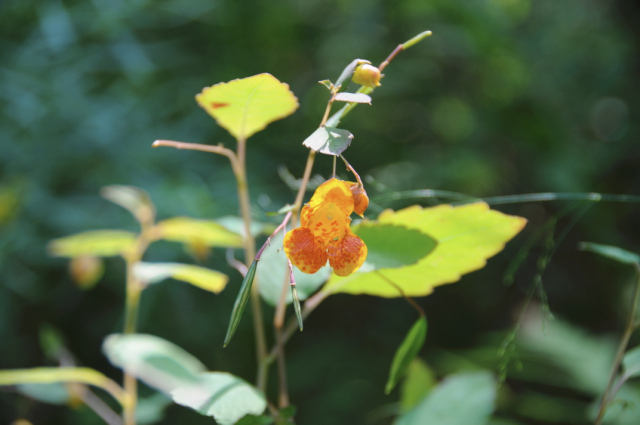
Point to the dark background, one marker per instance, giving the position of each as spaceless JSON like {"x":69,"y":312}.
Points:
{"x":507,"y":97}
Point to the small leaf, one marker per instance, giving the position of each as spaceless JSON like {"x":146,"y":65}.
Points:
{"x":255,"y":420}
{"x":466,"y":235}
{"x":346,"y":73}
{"x":327,"y":84}
{"x":188,"y":230}
{"x":407,"y":351}
{"x":225,"y":397}
{"x":353,"y":98}
{"x":391,"y":246}
{"x":418,"y":382}
{"x":156,"y":361}
{"x":136,"y":201}
{"x":235,"y":224}
{"x":245,"y":106}
{"x":329,"y":140}
{"x":462,"y":399}
{"x":241,"y":301}
{"x":201,"y":277}
{"x":631,"y":363}
{"x":274,"y":269}
{"x":55,"y":393}
{"x":99,"y":243}
{"x":621,"y":255}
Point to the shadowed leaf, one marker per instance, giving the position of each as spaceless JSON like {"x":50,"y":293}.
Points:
{"x":241,"y":301}
{"x":621,"y":255}
{"x":329,"y":140}
{"x":407,"y":351}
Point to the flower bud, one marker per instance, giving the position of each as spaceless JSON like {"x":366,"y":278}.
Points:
{"x":366,"y":75}
{"x":360,"y":199}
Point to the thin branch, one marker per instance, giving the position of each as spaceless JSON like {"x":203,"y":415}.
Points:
{"x":410,"y":300}
{"x":219,"y":149}
{"x":350,"y":168}
{"x":238,"y":265}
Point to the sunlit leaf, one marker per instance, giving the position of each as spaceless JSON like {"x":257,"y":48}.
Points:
{"x":156,"y":361}
{"x":136,"y":201}
{"x":621,"y":255}
{"x":353,"y":97}
{"x":329,"y":140}
{"x":407,"y":351}
{"x":274,"y":269}
{"x":391,"y":246}
{"x":631,"y":363}
{"x":224,"y":396}
{"x":99,"y":243}
{"x":201,"y":277}
{"x":241,"y":301}
{"x":462,"y":399}
{"x":418,"y":381}
{"x":245,"y":106}
{"x":466,"y":235}
{"x":188,"y":230}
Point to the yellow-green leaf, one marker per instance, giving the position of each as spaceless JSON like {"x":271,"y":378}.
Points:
{"x":98,"y":243}
{"x":201,"y":277}
{"x":466,"y":235}
{"x":245,"y":106}
{"x":407,"y":351}
{"x":418,"y":382}
{"x":190,"y":230}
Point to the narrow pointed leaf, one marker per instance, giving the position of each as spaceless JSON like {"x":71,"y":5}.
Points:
{"x":99,"y":243}
{"x":201,"y":277}
{"x":190,"y":230}
{"x":621,"y":255}
{"x":245,"y":106}
{"x":241,"y":301}
{"x":407,"y":351}
{"x":135,"y":200}
{"x":329,"y":140}
{"x":224,"y":396}
{"x":353,"y":98}
{"x":296,"y":305}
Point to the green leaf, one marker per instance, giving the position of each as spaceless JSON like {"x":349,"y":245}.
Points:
{"x":274,"y":269}
{"x":621,"y":255}
{"x":54,"y":393}
{"x":418,"y":381}
{"x":225,"y":397}
{"x":329,"y":140}
{"x":52,"y":375}
{"x":99,"y":243}
{"x":631,"y":363}
{"x":466,"y":235}
{"x":190,"y":230}
{"x":462,"y":399}
{"x":156,"y":361}
{"x":241,"y":301}
{"x":150,"y":410}
{"x":391,"y":246}
{"x":235,"y":224}
{"x":353,"y":98}
{"x":346,"y":73}
{"x":255,"y":420}
{"x":245,"y":106}
{"x":136,"y":201}
{"x":201,"y":277}
{"x":407,"y":351}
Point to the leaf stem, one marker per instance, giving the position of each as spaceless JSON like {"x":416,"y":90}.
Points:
{"x":608,"y":394}
{"x":410,"y":300}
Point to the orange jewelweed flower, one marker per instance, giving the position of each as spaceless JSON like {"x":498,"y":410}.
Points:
{"x":324,"y":232}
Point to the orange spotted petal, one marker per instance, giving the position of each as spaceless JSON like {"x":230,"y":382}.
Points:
{"x":347,"y":255}
{"x":305,"y":215}
{"x":334,"y":191}
{"x":360,"y":198}
{"x":305,"y":251}
{"x":329,"y":223}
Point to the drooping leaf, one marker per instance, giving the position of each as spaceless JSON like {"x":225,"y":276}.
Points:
{"x":245,"y":106}
{"x":52,"y":375}
{"x":353,"y":97}
{"x":418,"y":381}
{"x":224,"y":396}
{"x":274,"y":270}
{"x":391,"y":246}
{"x":201,"y":277}
{"x":156,"y":361}
{"x":135,"y":200}
{"x":621,"y":255}
{"x":188,"y":230}
{"x":466,"y":235}
{"x":462,"y":399}
{"x":407,"y":351}
{"x":329,"y":140}
{"x":241,"y":301}
{"x":99,"y":243}
{"x":631,"y":363}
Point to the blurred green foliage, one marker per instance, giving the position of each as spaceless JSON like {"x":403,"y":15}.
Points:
{"x":507,"y":96}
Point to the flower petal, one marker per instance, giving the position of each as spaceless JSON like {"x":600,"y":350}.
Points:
{"x":329,"y":223}
{"x":347,"y":255}
{"x":305,"y":251}
{"x":333,"y":191}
